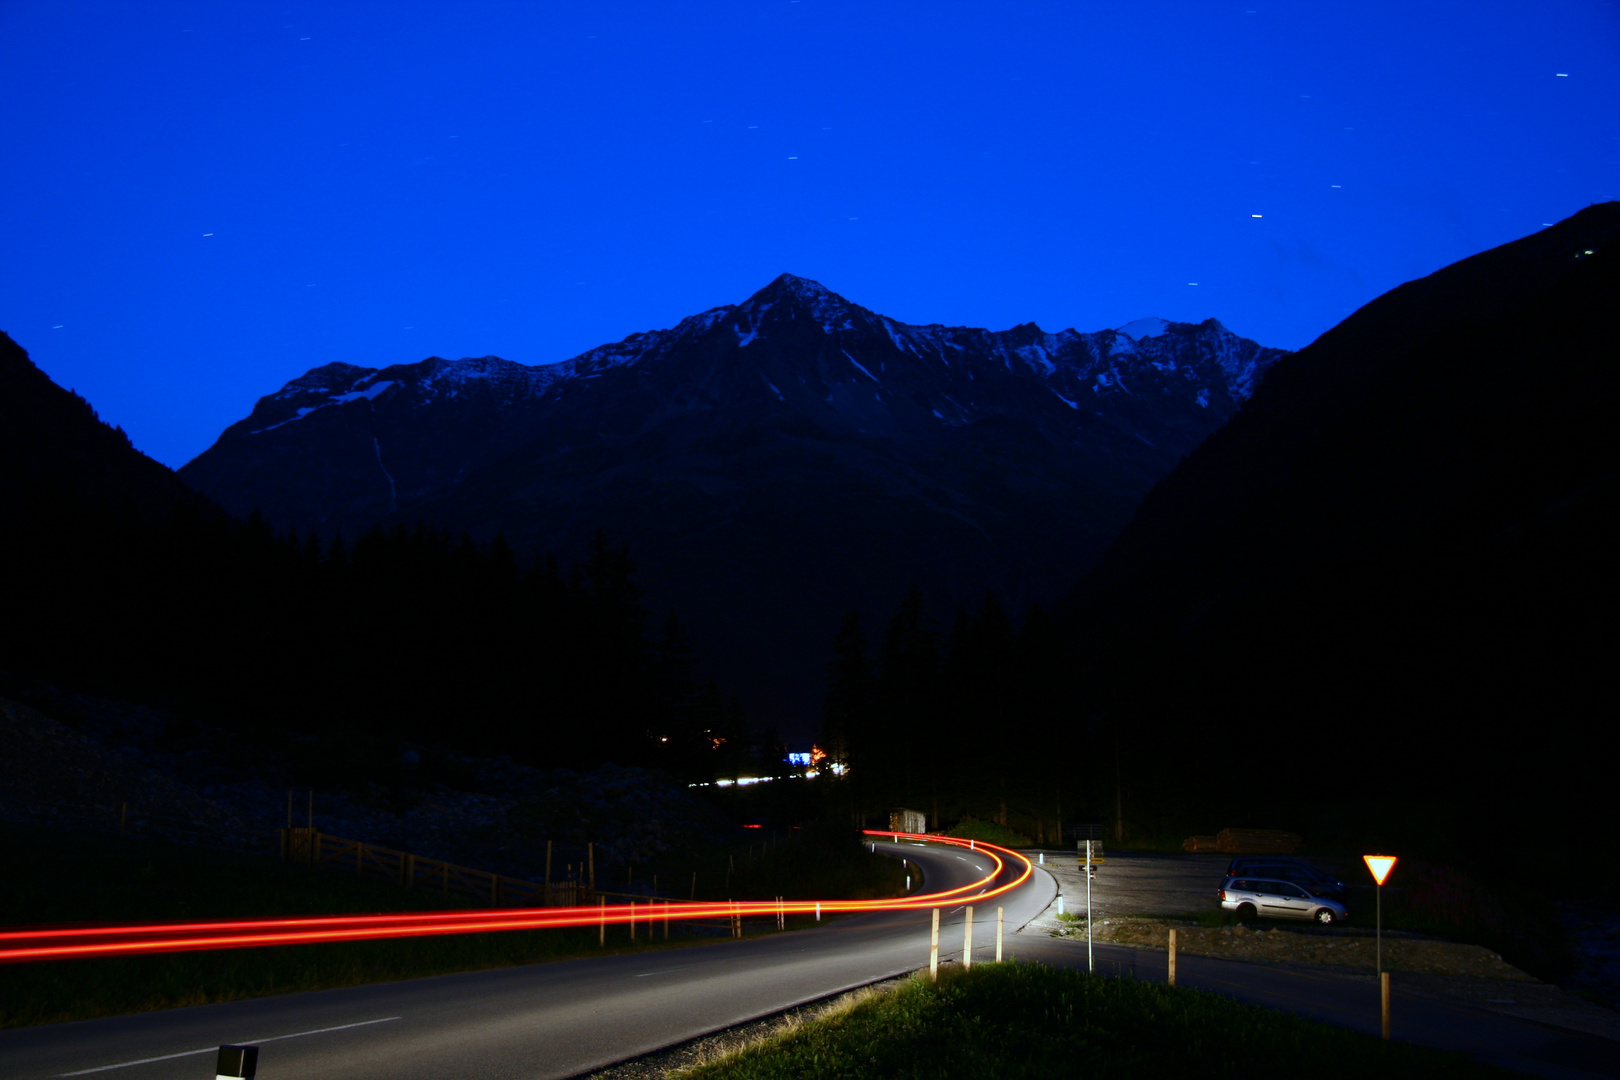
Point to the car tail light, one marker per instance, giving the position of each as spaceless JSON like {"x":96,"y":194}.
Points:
{"x":1222,"y":894}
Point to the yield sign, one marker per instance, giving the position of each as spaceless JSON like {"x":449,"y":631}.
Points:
{"x":1380,"y":865}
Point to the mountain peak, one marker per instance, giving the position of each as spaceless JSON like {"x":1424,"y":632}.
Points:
{"x":791,"y":293}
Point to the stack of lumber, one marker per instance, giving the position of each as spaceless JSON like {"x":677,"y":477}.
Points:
{"x":1200,"y":844}
{"x":1256,"y":842}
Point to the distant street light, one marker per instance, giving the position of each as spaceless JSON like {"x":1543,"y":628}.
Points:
{"x":1380,"y":865}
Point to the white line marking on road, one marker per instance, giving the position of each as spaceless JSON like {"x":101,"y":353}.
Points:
{"x":666,"y":971}
{"x":214,"y":1049}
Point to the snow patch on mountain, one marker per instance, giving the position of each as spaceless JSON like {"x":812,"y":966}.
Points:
{"x":1144,"y":328}
{"x":860,"y":365}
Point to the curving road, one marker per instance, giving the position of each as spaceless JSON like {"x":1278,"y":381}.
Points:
{"x":544,"y":1020}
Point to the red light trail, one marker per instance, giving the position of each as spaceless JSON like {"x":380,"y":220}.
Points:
{"x":63,"y":944}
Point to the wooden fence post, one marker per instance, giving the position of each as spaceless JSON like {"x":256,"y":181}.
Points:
{"x":1172,"y":955}
{"x":1383,"y":997}
{"x":933,"y":949}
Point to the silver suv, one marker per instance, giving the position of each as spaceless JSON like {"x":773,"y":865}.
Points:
{"x":1272,"y":899}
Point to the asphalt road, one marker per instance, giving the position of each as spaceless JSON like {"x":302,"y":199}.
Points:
{"x":544,"y":1020}
{"x":571,"y":1018}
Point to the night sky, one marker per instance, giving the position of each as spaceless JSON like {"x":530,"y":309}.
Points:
{"x":203,"y":200}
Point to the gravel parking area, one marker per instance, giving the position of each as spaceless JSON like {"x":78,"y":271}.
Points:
{"x":1136,"y":884}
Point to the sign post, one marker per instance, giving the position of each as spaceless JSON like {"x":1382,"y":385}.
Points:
{"x":1380,"y":866}
{"x":1091,"y":963}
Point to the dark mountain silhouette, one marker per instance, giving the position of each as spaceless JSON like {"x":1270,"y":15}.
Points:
{"x":1383,"y":595}
{"x":121,"y":581}
{"x":773,"y":465}
{"x":53,"y":444}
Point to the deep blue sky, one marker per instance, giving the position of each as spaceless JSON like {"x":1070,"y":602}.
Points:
{"x":200,"y":201}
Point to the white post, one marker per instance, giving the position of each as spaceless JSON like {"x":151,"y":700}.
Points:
{"x":1000,"y":915}
{"x":933,"y":949}
{"x":236,"y":1062}
{"x":967,"y":940}
{"x":818,"y":911}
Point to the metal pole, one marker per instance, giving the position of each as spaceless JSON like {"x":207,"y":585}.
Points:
{"x":1378,"y":952}
{"x":1091,"y":962}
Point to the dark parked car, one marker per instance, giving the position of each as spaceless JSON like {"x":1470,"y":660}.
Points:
{"x":1300,"y":873}
{"x":1248,"y":897}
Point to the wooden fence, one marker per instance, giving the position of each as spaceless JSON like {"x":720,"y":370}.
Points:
{"x":315,"y":848}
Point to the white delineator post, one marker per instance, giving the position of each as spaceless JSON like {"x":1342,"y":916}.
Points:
{"x":1000,"y":915}
{"x":933,"y":949}
{"x":967,"y":939}
{"x":236,"y":1063}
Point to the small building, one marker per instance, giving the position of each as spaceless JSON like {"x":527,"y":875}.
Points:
{"x":911,"y":821}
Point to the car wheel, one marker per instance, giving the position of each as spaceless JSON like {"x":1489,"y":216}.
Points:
{"x":1325,"y":917}
{"x":1245,"y":912}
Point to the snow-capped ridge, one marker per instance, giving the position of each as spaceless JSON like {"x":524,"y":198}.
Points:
{"x":1144,"y":328}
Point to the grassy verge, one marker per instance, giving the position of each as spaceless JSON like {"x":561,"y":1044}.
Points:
{"x":988,"y":831}
{"x":60,"y":877}
{"x":1017,"y":1021}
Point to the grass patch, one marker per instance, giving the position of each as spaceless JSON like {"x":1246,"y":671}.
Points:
{"x":1018,"y":1021}
{"x":970,"y":828}
{"x":63,"y":877}
{"x":817,"y":863}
